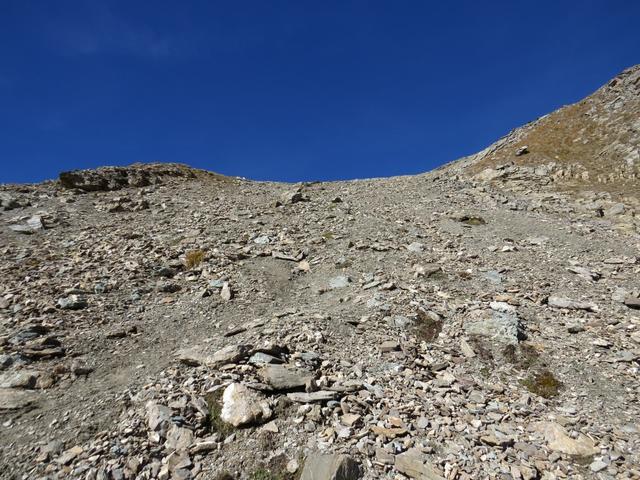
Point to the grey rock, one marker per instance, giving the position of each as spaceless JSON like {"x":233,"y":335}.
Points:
{"x":5,"y":361}
{"x":598,"y":466}
{"x":566,"y":303}
{"x":226,"y":293}
{"x":584,"y":273}
{"x":632,"y":302}
{"x":261,"y":358}
{"x":229,"y":354}
{"x":330,"y":467}
{"x":537,"y":240}
{"x":414,"y":464}
{"x":575,"y":329}
{"x":625,"y":356}
{"x":72,"y":302}
{"x":489,"y":174}
{"x":503,"y":327}
{"x":400,"y":322}
{"x":20,"y":379}
{"x":341,"y":281}
{"x":13,"y":399}
{"x":198,"y":355}
{"x":158,"y":416}
{"x":415,"y":247}
{"x":620,"y":295}
{"x":389,"y":346}
{"x":617,"y":209}
{"x":178,"y":438}
{"x":262,"y":240}
{"x":217,"y":283}
{"x":313,"y":397}
{"x":493,"y":276}
{"x":559,"y":440}
{"x":285,"y":377}
{"x":8,"y":202}
{"x":32,"y":225}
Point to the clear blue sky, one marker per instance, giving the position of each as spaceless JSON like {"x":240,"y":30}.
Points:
{"x":295,"y":90}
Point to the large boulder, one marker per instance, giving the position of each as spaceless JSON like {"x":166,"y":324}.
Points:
{"x":243,"y":406}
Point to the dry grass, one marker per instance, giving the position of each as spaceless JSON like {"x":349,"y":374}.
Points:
{"x":574,"y":135}
{"x":543,"y":383}
{"x":193,"y":259}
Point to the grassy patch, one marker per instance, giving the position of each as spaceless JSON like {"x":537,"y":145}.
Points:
{"x":543,"y":383}
{"x":193,"y":258}
{"x":266,"y":474}
{"x":214,"y":422}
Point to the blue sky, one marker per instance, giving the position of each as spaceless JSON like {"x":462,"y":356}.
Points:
{"x":294,"y":90}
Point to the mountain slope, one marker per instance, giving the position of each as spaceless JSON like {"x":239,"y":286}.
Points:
{"x":478,"y":321}
{"x":591,"y":145}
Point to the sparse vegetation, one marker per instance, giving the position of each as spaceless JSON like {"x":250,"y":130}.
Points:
{"x":543,"y":383}
{"x":265,"y":474}
{"x":214,"y":422}
{"x":193,"y":258}
{"x":276,"y":469}
{"x":473,"y":221}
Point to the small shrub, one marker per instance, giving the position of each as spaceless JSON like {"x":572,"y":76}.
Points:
{"x":193,"y":259}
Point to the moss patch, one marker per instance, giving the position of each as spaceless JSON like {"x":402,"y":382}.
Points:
{"x":543,"y":383}
{"x":214,"y":422}
{"x":266,"y":474}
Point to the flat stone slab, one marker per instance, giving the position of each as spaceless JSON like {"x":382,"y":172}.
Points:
{"x":12,"y":399}
{"x":632,"y":302}
{"x":414,"y":464}
{"x":559,"y":440}
{"x":285,"y":377}
{"x":330,"y":467}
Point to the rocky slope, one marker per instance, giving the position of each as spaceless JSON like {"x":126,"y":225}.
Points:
{"x":592,"y":145}
{"x":478,"y":321}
